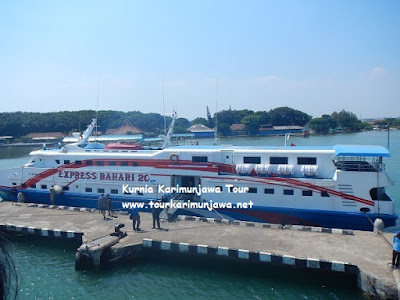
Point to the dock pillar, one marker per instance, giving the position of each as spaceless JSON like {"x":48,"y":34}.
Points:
{"x":94,"y":253}
{"x":52,"y":196}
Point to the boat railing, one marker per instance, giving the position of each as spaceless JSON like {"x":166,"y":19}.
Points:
{"x":359,"y":166}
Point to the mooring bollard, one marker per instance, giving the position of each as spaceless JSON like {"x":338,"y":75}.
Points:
{"x":94,"y":253}
{"x":379,"y":225}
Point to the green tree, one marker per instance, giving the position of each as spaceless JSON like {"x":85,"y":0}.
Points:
{"x":323,"y":124}
{"x":281,"y":116}
{"x":224,"y":129}
{"x":182,"y":122}
{"x":252,"y":123}
{"x":265,"y":117}
{"x":199,"y":120}
{"x":232,"y":116}
{"x":347,"y":120}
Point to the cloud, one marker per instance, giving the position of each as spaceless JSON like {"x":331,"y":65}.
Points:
{"x":377,"y":73}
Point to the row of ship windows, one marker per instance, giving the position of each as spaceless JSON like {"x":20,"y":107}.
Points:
{"x":99,"y":163}
{"x":287,"y":192}
{"x":280,"y":160}
{"x":273,"y":160}
{"x":204,"y":159}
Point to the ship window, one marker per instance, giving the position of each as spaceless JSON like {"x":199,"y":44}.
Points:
{"x":278,"y":160}
{"x":44,"y":186}
{"x":252,"y":190}
{"x":306,"y":160}
{"x":67,"y":161}
{"x":252,"y":160}
{"x":57,"y":161}
{"x":99,"y":163}
{"x":288,"y":192}
{"x":379,"y":194}
{"x":33,"y":186}
{"x":88,"y":190}
{"x":100,"y":191}
{"x":114,"y":191}
{"x":269,"y":191}
{"x":127,"y":193}
{"x":78,"y":162}
{"x":200,"y":159}
{"x":89,"y":163}
{"x":307,"y":193}
{"x":124,"y":163}
{"x":65,"y":188}
{"x":218,"y":187}
{"x":112,"y":163}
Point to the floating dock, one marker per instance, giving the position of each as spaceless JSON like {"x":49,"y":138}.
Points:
{"x":363,"y":254}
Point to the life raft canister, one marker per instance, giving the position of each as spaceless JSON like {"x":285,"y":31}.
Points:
{"x":173,"y":158}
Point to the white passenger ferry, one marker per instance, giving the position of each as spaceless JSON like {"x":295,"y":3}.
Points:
{"x":341,"y":186}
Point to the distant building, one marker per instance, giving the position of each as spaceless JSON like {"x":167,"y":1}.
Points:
{"x":126,"y":128}
{"x":201,"y":131}
{"x":45,"y":136}
{"x":238,"y":129}
{"x":6,"y":137}
{"x":125,"y":133}
{"x":282,"y":130}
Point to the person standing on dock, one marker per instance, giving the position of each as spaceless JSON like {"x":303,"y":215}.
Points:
{"x":135,"y":217}
{"x":102,"y":202}
{"x":396,"y":250}
{"x":14,"y":194}
{"x":109,"y":205}
{"x":156,"y":217}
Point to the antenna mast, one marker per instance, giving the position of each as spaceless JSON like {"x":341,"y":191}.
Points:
{"x":97,"y":109}
{"x":163,"y":100}
{"x":216,"y":112}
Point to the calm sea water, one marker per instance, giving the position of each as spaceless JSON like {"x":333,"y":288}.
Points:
{"x":46,"y":268}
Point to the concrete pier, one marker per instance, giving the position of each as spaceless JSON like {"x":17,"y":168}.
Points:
{"x":329,"y":250}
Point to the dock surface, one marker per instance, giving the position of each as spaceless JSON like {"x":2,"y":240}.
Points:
{"x":366,"y":250}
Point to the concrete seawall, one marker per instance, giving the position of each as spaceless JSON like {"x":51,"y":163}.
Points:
{"x":363,"y":254}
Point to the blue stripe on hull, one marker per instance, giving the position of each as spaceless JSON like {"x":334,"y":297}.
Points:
{"x":329,"y":219}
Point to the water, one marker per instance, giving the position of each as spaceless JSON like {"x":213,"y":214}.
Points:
{"x":46,"y":268}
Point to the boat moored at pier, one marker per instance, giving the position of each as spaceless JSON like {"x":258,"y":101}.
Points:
{"x":339,"y":187}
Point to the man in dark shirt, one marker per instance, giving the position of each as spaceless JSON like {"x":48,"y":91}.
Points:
{"x":156,"y":217}
{"x":135,"y":217}
{"x":14,"y":194}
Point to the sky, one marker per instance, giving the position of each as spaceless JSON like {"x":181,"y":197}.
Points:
{"x":316,"y":56}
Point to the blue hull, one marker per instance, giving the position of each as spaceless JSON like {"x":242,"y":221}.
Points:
{"x":328,"y":219}
{"x":286,"y":216}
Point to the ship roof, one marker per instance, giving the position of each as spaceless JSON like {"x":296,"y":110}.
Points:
{"x":360,"y":150}
{"x":340,"y":150}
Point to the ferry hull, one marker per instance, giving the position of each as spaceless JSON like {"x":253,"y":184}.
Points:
{"x":285,"y":216}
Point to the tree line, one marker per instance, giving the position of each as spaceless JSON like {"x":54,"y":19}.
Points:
{"x":19,"y":124}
